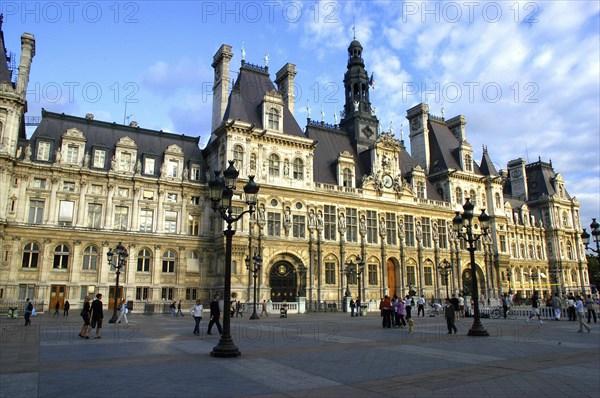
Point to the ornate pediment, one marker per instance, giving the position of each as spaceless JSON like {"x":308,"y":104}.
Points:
{"x":127,"y":142}
{"x":73,"y":134}
{"x":174,"y":150}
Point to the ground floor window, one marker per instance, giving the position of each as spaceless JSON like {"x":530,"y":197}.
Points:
{"x":141,"y":293}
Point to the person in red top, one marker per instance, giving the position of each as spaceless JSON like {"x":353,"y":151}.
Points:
{"x":386,"y":311}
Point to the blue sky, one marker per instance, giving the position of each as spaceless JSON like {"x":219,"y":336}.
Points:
{"x":525,"y":74}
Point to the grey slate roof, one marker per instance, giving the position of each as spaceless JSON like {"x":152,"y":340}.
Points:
{"x":487,"y":166}
{"x":106,"y":135}
{"x":246,"y":98}
{"x":443,"y":146}
{"x":5,"y":74}
{"x":539,"y":181}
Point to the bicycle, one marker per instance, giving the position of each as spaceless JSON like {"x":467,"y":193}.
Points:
{"x":499,"y":312}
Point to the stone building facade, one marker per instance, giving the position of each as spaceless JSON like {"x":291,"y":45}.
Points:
{"x":329,"y":194}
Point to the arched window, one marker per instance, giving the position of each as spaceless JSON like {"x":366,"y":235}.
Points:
{"x":347,"y":177}
{"x":168,"y":262}
{"x":420,"y":190}
{"x":570,"y":255}
{"x":473,"y":197}
{"x":144,"y":260}
{"x":31,"y":254}
{"x":468,"y":163}
{"x":498,"y":200}
{"x":274,"y":165}
{"x":238,"y":157}
{"x":298,"y":169}
{"x":273,"y":119}
{"x":61,"y":257}
{"x":531,"y":255}
{"x":90,"y":258}
{"x":459,"y":196}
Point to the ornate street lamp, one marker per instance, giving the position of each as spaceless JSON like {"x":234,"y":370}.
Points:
{"x":595,"y":227}
{"x":221,"y":194}
{"x":349,"y":270}
{"x":533,"y":275}
{"x":355,"y":269}
{"x":254,"y":265}
{"x":117,"y":263}
{"x":466,"y":229}
{"x":444,"y":271}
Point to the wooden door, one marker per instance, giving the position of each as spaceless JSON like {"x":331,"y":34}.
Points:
{"x":57,"y":294}
{"x":391,"y":277}
{"x":111,"y":296}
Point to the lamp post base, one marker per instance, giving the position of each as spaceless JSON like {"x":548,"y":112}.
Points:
{"x":477,"y":330}
{"x":225,"y":349}
{"x":254,"y":315}
{"x":113,"y":319}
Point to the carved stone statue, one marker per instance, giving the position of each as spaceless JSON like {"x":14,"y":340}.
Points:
{"x":382,"y":229}
{"x":311,"y":219}
{"x":113,"y":163}
{"x":342,"y":222}
{"x":356,"y":104}
{"x":363,"y":226}
{"x":419,"y":231}
{"x":186,"y":171}
{"x":86,"y":160}
{"x":57,"y":155}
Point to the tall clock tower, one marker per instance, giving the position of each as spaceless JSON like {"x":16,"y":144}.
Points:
{"x":358,"y":120}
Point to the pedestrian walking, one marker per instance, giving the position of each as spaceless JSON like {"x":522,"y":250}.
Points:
{"x":85,"y":314}
{"x":173,"y":308}
{"x":591,"y":311}
{"x":505,"y":305}
{"x":215,"y":315}
{"x":358,"y":309}
{"x":386,"y":311}
{"x":352,"y":307}
{"x":124,"y":310}
{"x":421,"y":306}
{"x":408,"y":305}
{"x":56,"y":308}
{"x":400,"y":313}
{"x":450,"y":314}
{"x":196,"y":312}
{"x":28,"y":311}
{"x":461,"y":307}
{"x":456,"y":303}
{"x":535,"y":310}
{"x":179,"y":309}
{"x":97,"y":315}
{"x":264,"y":309}
{"x":580,"y":315}
{"x":557,"y":305}
{"x":66,"y":308}
{"x":571,"y":308}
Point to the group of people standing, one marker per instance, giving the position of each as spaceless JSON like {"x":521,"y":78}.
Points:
{"x":576,"y":306}
{"x":396,"y":312}
{"x":93,"y":315}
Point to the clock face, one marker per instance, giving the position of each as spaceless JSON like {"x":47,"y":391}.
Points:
{"x":415,"y":123}
{"x":282,"y":270}
{"x":387,"y":181}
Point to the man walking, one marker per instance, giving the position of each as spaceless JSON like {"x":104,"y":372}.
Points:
{"x":589,"y":306}
{"x":505,"y":305}
{"x":264,"y":309}
{"x":580,"y":314}
{"x":28,"y":311}
{"x":557,"y":306}
{"x":215,"y":315}
{"x":97,"y":315}
{"x":535,"y":310}
{"x":449,"y":314}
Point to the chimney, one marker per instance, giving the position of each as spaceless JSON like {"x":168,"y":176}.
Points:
{"x":89,"y":116}
{"x":221,"y":84}
{"x":133,"y":123}
{"x":457,"y":126}
{"x":27,"y":54}
{"x":419,"y":135}
{"x":518,"y":178}
{"x":285,"y":85}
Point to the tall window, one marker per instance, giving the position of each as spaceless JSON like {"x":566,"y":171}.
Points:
{"x":141,"y":293}
{"x":428,"y":273}
{"x":36,"y":211}
{"x":473,"y":197}
{"x":420,"y":190}
{"x":72,"y":154}
{"x":502,"y":239}
{"x":238,"y":157}
{"x":468,"y":163}
{"x":191,"y":294}
{"x":390,"y":228}
{"x":351,"y":225}
{"x":459,"y":196}
{"x":273,"y":119}
{"x":274,"y":165}
{"x":168,"y":262}
{"x":43,"y":151}
{"x":195,"y":172}
{"x":90,"y":258}
{"x":61,"y":257}
{"x":65,"y":213}
{"x":173,"y":168}
{"x":329,"y":273}
{"x":329,"y":222}
{"x":426,"y":226}
{"x":144,"y":260}
{"x":373,"y":274}
{"x":410,"y":275}
{"x":193,"y":225}
{"x":371,"y":226}
{"x":298,"y":226}
{"x":171,"y":222}
{"x":146,"y":220}
{"x":166,"y":293}
{"x":298,"y":169}
{"x":409,"y":230}
{"x":125,"y":161}
{"x":99,"y":160}
{"x":121,"y":217}
{"x":149,"y":165}
{"x":347,"y":178}
{"x":273,"y":224}
{"x":570,"y":255}
{"x":442,"y":234}
{"x":31,"y":254}
{"x":94,"y":215}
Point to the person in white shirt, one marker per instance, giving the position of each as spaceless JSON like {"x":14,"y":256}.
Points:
{"x":124,"y":310}
{"x":196,"y":312}
{"x":580,"y":314}
{"x":421,"y":306}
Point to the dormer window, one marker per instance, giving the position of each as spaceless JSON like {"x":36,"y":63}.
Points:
{"x":173,"y":168}
{"x":72,"y":154}
{"x":273,"y":119}
{"x":125,"y":161}
{"x":347,"y":177}
{"x":468,"y":163}
{"x":195,"y":172}
{"x":149,"y":166}
{"x":99,"y":158}
{"x":238,"y":156}
{"x":43,"y":151}
{"x":420,"y":190}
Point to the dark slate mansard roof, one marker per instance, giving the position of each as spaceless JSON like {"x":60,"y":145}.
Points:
{"x":106,"y":135}
{"x":540,"y":175}
{"x":5,"y":73}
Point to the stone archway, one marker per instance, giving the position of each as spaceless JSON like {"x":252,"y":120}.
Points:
{"x":283,"y":282}
{"x":467,"y":281}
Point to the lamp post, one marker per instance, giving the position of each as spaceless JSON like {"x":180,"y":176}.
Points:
{"x":465,"y":228}
{"x":444,"y":271}
{"x":117,"y":262}
{"x":254,"y":265}
{"x":221,"y":194}
{"x":349,"y":270}
{"x":595,"y":227}
{"x":533,"y":275}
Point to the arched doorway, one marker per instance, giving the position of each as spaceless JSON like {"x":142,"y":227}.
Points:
{"x":467,"y":281}
{"x":282,"y":280}
{"x":390,"y":269}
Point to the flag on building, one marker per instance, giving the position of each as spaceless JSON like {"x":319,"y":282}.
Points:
{"x":372,"y":81}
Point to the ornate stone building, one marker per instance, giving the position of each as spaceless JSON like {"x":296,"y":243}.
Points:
{"x":329,"y":194}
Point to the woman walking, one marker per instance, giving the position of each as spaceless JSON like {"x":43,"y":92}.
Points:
{"x":85,"y":314}
{"x":124,"y":310}
{"x":196,"y":312}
